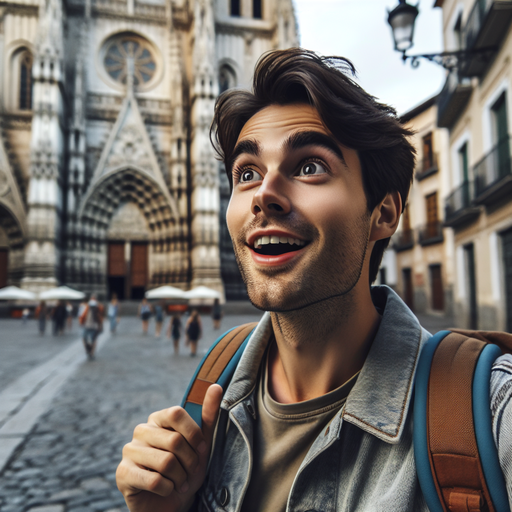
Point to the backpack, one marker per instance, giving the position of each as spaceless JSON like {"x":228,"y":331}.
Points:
{"x":456,"y":457}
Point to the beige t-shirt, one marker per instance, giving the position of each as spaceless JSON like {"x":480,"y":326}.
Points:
{"x":283,"y":435}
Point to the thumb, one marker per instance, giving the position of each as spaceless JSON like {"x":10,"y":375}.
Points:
{"x":211,"y":406}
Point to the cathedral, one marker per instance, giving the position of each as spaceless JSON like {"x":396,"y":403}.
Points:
{"x":108,"y":181}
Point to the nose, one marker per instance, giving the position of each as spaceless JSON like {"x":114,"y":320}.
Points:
{"x":271,"y":197}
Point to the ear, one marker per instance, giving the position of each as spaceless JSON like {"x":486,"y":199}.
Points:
{"x":385,"y":216}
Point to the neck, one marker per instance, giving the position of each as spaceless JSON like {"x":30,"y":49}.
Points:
{"x":320,"y":347}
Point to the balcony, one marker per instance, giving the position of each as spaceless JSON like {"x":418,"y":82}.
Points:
{"x":427,"y":168}
{"x":452,"y":100}
{"x":431,"y":233}
{"x":403,"y":240}
{"x":493,"y":174}
{"x":486,"y":27}
{"x":459,"y":207}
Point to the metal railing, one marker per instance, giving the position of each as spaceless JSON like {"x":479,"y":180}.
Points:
{"x":403,"y":240}
{"x":428,"y":166}
{"x":431,"y":233}
{"x":447,"y":96}
{"x":493,"y":167}
{"x":460,"y":199}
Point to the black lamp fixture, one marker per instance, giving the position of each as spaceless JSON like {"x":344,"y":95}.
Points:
{"x":402,"y":19}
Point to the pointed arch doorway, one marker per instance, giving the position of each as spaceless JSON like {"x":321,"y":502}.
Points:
{"x":127,"y":268}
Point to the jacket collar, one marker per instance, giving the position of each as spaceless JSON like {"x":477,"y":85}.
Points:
{"x":379,"y":401}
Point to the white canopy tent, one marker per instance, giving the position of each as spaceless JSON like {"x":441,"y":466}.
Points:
{"x":15,"y":293}
{"x":166,"y":292}
{"x":202,"y":292}
{"x":61,"y":293}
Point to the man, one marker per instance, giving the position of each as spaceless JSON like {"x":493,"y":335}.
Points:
{"x":91,"y":320}
{"x":317,"y":415}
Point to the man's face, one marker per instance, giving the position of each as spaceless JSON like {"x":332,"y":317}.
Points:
{"x":298,"y":214}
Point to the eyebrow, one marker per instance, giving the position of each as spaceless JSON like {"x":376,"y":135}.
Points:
{"x":248,"y":147}
{"x":300,"y":140}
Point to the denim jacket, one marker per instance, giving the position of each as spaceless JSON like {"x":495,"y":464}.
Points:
{"x":363,"y":461}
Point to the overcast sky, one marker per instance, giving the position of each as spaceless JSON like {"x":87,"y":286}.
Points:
{"x":358,"y":30}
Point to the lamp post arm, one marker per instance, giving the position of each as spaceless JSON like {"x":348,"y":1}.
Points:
{"x":450,"y":60}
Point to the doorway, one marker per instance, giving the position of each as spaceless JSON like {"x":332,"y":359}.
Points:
{"x":4,"y":265}
{"x":408,"y":289}
{"x":469,"y":252}
{"x":116,"y":270}
{"x":506,"y":239}
{"x":436,"y":287}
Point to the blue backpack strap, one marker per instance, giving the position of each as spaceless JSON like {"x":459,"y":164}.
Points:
{"x":481,"y":415}
{"x":482,"y":418}
{"x":217,"y":367}
{"x":420,"y":439}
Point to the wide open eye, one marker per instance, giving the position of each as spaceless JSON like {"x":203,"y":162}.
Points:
{"x":312,"y":168}
{"x":249,"y":176}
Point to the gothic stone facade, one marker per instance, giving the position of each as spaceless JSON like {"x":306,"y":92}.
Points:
{"x":108,"y":182}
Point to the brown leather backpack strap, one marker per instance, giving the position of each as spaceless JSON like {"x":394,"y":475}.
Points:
{"x":216,"y":361}
{"x":453,"y":451}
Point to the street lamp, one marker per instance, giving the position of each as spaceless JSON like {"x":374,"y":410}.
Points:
{"x":402,"y":19}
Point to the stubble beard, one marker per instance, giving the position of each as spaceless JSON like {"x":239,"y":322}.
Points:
{"x":326,"y":281}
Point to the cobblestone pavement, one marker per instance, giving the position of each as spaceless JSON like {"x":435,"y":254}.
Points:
{"x":68,"y":461}
{"x":22,"y":347}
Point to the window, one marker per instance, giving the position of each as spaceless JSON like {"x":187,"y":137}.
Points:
{"x":25,"y":83}
{"x":256,"y":9}
{"x":227,"y":78}
{"x":235,"y":7}
{"x":500,"y":135}
{"x":469,"y":257}
{"x":432,"y":216}
{"x":130,"y":46}
{"x":463,"y":162}
{"x":457,"y":32}
{"x":428,"y":152}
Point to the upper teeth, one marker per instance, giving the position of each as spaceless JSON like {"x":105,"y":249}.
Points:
{"x":273,"y":239}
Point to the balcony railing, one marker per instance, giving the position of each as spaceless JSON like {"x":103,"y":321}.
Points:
{"x":493,"y":174}
{"x":459,"y":207}
{"x":428,"y":166}
{"x":431,"y":233}
{"x":452,"y":100}
{"x":403,"y":240}
{"x":486,"y":27}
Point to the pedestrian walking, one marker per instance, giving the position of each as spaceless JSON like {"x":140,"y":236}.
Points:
{"x":25,"y":314}
{"x":145,"y":314}
{"x":69,"y":316}
{"x":59,"y":318}
{"x":42,"y":316}
{"x":113,"y":313}
{"x":193,"y":331}
{"x":216,"y":314}
{"x":159,"y":318}
{"x":174,"y":331}
{"x":92,"y":322}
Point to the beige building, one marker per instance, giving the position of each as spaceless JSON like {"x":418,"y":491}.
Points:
{"x":108,"y":181}
{"x":423,"y":246}
{"x":475,"y":105}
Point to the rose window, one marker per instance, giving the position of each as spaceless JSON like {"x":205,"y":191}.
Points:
{"x":139,"y":51}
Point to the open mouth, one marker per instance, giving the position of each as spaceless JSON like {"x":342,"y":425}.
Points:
{"x":276,"y":245}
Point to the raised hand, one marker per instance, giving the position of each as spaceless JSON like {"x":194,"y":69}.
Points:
{"x":165,"y":463}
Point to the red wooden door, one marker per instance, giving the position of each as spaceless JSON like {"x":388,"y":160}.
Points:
{"x":139,"y":264}
{"x":116,"y":263}
{"x":4,"y":264}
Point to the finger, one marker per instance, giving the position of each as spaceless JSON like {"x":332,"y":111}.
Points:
{"x":177,"y":419}
{"x":132,"y":479}
{"x":211,"y":407}
{"x":168,"y":441}
{"x":165,"y":463}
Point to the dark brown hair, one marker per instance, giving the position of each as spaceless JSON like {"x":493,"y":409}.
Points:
{"x":354,"y":117}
